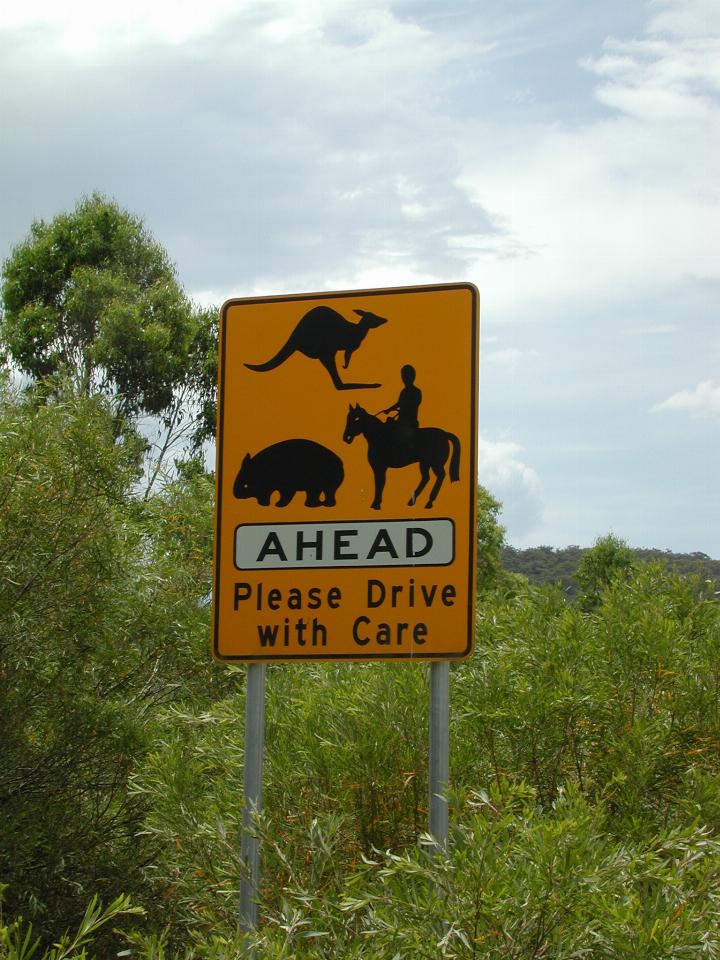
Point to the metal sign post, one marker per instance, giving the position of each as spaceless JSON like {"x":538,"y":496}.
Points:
{"x":252,"y":793}
{"x":439,"y":762}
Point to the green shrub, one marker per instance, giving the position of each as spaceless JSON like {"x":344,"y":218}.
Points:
{"x":622,"y":702}
{"x":17,"y":941}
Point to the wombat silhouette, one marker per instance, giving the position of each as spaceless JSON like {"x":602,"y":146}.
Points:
{"x":320,"y":334}
{"x":290,"y":466}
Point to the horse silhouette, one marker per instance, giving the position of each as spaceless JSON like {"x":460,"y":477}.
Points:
{"x":427,"y":446}
{"x":320,"y":334}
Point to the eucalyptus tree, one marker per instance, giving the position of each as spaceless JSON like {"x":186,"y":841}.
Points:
{"x":90,"y":297}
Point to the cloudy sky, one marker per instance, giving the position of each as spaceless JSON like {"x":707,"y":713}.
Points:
{"x":564,"y":156}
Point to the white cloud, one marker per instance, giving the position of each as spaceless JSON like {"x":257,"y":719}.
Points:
{"x":498,"y":462}
{"x":703,"y":401}
{"x":211,"y":298}
{"x":508,"y":358}
{"x":514,"y":483}
{"x":623,"y":205}
{"x":689,"y":18}
{"x":299,"y":145}
{"x":80,"y":27}
{"x":658,"y":330}
{"x":660,"y":79}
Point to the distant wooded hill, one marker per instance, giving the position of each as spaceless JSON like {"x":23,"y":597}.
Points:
{"x":551,"y":565}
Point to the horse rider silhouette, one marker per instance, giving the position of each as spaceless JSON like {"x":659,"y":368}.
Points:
{"x":405,"y":424}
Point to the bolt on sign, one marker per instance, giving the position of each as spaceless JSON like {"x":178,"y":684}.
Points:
{"x":346,"y":476}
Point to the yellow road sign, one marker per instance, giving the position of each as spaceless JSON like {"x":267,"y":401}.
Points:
{"x":347,"y":476}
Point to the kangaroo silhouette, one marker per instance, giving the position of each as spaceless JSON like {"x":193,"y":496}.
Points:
{"x":322,"y":333}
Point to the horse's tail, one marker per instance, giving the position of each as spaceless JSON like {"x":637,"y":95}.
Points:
{"x":455,"y":459}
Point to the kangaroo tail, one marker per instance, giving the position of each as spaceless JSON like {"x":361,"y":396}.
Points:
{"x":280,"y":357}
{"x":455,"y":459}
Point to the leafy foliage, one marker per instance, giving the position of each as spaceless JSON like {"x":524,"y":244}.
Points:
{"x":551,"y":565}
{"x":621,"y":703}
{"x":62,"y":567}
{"x":91,"y":294}
{"x":609,"y":560}
{"x":585,"y":767}
{"x":17,"y":942}
{"x":92,"y":299}
{"x":517,"y":883}
{"x":585,"y":772}
{"x":490,"y":537}
{"x":102,"y":621}
{"x":585,"y":783}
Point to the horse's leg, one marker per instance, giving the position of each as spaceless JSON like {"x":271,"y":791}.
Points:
{"x":439,"y":472}
{"x":424,"y":477}
{"x":379,"y":487}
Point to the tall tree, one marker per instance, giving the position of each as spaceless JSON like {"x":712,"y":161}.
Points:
{"x":103,"y":621}
{"x":490,"y":537}
{"x":66,"y":576}
{"x":610,"y":559}
{"x":92,"y":297}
